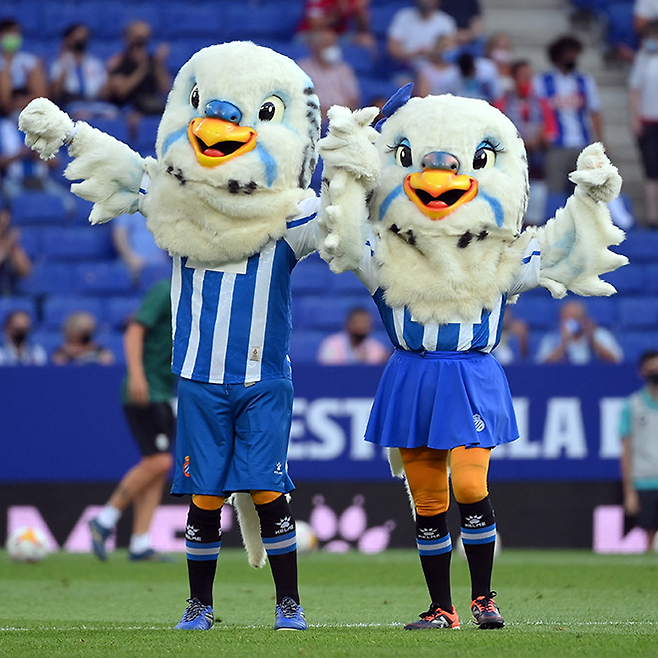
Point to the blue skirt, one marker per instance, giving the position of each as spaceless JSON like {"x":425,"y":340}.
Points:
{"x":442,"y":400}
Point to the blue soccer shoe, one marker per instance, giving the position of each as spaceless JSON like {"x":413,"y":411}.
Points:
{"x":99,"y":536}
{"x":289,"y":616}
{"x":197,"y":617}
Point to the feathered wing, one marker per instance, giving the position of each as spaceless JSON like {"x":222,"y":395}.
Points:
{"x":110,"y":171}
{"x":351,"y":171}
{"x":574,"y":244}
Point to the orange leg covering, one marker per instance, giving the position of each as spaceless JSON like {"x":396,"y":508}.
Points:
{"x":468,"y":472}
{"x":208,"y":502}
{"x":264,"y":497}
{"x":427,"y":475}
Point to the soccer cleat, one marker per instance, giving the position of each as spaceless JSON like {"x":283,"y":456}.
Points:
{"x":486,"y":612}
{"x":149,"y":555}
{"x":435,"y":618}
{"x":99,"y":536}
{"x":289,"y":616}
{"x":197,"y":617}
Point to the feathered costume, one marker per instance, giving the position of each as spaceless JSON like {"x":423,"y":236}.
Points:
{"x":228,"y":198}
{"x":434,"y":232}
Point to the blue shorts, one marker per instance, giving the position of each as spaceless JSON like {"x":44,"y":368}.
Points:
{"x":232,"y":437}
{"x":442,"y":400}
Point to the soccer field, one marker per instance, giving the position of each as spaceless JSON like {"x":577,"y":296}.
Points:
{"x":556,"y":603}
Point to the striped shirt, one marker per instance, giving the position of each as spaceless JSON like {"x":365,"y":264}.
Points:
{"x":483,"y":336}
{"x":232,"y":322}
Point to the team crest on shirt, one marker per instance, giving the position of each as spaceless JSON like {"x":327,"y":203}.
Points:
{"x":186,"y":466}
{"x":479,"y":422}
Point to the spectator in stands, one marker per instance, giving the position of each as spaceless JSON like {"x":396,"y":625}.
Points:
{"x":644,"y":11}
{"x":574,"y":99}
{"x":579,"y":340}
{"x":638,"y":429}
{"x":334,"y":80}
{"x":470,"y":25}
{"x":354,"y":344}
{"x":413,"y":32}
{"x":22,"y":170}
{"x":17,"y":349}
{"x":136,"y":244}
{"x":498,"y":49}
{"x":536,"y":124}
{"x":20,"y":72}
{"x":438,"y":75}
{"x":15,"y":264}
{"x":139,"y":80}
{"x":148,"y":390}
{"x":513,"y":345}
{"x":344,"y":17}
{"x":78,"y":80}
{"x":479,"y":78}
{"x":79,"y":347}
{"x":643,"y":95}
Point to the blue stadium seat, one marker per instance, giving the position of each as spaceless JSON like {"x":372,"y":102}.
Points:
{"x":311,"y":276}
{"x":381,"y":15}
{"x":29,"y":13}
{"x":57,"y":16}
{"x":105,"y":48}
{"x":274,"y":20}
{"x":37,"y":208}
{"x":196,"y":20}
{"x":328,"y":314}
{"x":82,"y":211}
{"x":119,"y":310}
{"x":539,"y":312}
{"x":147,"y":132}
{"x":113,"y":341}
{"x":640,"y":245}
{"x":554,"y":201}
{"x":10,"y":304}
{"x":31,"y":241}
{"x":294,"y":49}
{"x":635,"y":343}
{"x":111,"y":278}
{"x":347,"y":284}
{"x":639,"y":313}
{"x":151,"y":274}
{"x":628,"y":279}
{"x":304,"y":346}
{"x":49,"y":278}
{"x":49,"y":340}
{"x":651,"y":278}
{"x":58,"y":307}
{"x":115,"y":127}
{"x":603,"y":310}
{"x":78,"y":243}
{"x":360,"y":58}
{"x":374,"y":89}
{"x":115,"y":16}
{"x":620,"y":25}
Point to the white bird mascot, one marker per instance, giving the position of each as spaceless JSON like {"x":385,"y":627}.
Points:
{"x":433,"y":228}
{"x":236,"y":148}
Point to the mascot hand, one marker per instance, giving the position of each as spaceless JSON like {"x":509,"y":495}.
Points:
{"x":349,"y":145}
{"x":595,"y":175}
{"x":45,"y":126}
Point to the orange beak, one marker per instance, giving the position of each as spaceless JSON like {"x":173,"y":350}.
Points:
{"x":437,"y":193}
{"x":215,"y":141}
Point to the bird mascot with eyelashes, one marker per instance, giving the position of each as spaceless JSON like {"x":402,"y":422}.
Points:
{"x":228,"y":198}
{"x":445,"y":254}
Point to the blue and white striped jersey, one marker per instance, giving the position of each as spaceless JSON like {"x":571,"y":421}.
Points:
{"x":232,"y":323}
{"x":483,"y":336}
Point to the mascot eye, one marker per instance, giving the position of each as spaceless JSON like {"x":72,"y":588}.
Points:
{"x":484,"y":158}
{"x":271,"y":109}
{"x":194,"y":97}
{"x":403,"y":155}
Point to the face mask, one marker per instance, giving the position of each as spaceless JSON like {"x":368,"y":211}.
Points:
{"x":12,"y":42}
{"x":651,"y":45}
{"x":19,"y":336}
{"x":572,"y":326}
{"x":524,"y":89}
{"x":331,"y":54}
{"x":85,"y":338}
{"x":652,"y":377}
{"x":500,"y":56}
{"x":79,"y":46}
{"x":569,"y":65}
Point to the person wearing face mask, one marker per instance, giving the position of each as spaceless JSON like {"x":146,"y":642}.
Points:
{"x":574,"y":100}
{"x":21,"y":73}
{"x":638,"y":428}
{"x":138,"y":79}
{"x":79,"y":79}
{"x":17,"y":349}
{"x":579,"y":340}
{"x":643,"y":103}
{"x":413,"y":32}
{"x":79,"y":347}
{"x":354,"y":344}
{"x":15,"y":264}
{"x":334,"y":80}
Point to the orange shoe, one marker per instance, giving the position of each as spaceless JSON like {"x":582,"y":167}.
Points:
{"x":435,"y":618}
{"x":486,"y":612}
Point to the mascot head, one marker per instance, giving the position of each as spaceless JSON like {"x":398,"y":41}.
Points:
{"x":450,"y":203}
{"x":237,"y":143}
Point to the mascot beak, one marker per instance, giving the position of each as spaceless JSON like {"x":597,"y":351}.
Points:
{"x":438,"y":190}
{"x":217,"y":137}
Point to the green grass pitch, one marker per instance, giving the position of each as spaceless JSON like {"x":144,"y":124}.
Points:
{"x":556,"y":603}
